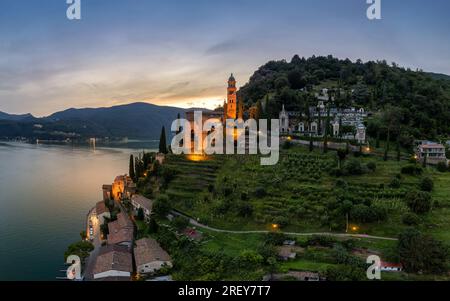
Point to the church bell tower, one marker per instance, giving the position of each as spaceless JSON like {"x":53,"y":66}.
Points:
{"x":231,"y":98}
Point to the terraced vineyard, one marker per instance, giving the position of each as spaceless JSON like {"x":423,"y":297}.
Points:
{"x":193,"y":177}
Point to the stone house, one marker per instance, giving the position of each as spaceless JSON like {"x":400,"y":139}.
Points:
{"x":149,"y":256}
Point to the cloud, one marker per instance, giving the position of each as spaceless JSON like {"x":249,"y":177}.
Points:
{"x":223,"y":47}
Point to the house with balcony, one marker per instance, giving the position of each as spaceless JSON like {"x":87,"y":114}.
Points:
{"x":431,"y":152}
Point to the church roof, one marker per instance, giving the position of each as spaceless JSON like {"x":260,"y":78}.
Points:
{"x":232,"y":78}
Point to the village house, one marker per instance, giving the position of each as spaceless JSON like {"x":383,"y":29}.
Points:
{"x":101,"y":211}
{"x":390,"y":267}
{"x":297,"y":275}
{"x":288,"y":252}
{"x":122,"y":188}
{"x":107,"y":192}
{"x":141,"y":202}
{"x":113,"y":263}
{"x":149,"y":256}
{"x":432,"y":152}
{"x":121,"y":231}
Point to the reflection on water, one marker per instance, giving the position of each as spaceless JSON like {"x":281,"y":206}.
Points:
{"x":45,"y":194}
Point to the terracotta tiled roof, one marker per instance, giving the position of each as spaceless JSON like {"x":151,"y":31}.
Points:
{"x":100,"y":208}
{"x":391,"y":265}
{"x":142,"y":201}
{"x":432,"y":145}
{"x":113,"y":258}
{"x":148,"y":250}
{"x":120,"y":230}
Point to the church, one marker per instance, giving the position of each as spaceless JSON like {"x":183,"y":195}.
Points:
{"x":232,"y":109}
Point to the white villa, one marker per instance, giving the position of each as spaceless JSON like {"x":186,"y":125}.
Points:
{"x":141,"y":202}
{"x":431,"y":151}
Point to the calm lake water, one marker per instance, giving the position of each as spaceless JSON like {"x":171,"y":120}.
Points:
{"x":45,"y":194}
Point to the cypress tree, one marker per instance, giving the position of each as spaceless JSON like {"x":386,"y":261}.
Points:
{"x":386,"y":149}
{"x":162,"y":141}
{"x":377,"y":143}
{"x":131,"y":168}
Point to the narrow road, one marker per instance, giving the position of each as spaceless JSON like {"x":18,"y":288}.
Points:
{"x":197,"y":224}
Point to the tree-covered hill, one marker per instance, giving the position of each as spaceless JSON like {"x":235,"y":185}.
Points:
{"x":420,"y":100}
{"x":136,"y":120}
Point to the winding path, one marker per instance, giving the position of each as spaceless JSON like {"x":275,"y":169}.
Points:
{"x":197,"y":224}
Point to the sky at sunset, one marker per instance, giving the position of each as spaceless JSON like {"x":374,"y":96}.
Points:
{"x":180,"y":53}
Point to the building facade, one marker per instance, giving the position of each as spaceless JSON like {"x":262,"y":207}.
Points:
{"x":431,"y":152}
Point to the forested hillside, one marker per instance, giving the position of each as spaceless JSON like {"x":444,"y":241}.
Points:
{"x":414,"y":103}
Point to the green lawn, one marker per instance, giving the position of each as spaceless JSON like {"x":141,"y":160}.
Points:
{"x":231,"y":244}
{"x":304,"y":265}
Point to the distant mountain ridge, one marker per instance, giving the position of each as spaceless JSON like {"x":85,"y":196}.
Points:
{"x":137,"y":120}
{"x":15,"y":117}
{"x":439,"y":76}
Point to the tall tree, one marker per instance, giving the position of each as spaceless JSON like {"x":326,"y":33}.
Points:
{"x":131,"y":168}
{"x":259,"y":111}
{"x":162,"y":141}
{"x":391,"y":119}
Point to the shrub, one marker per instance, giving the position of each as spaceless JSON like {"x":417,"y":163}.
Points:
{"x":420,"y":253}
{"x":357,"y":154}
{"x":321,"y":240}
{"x":395,"y":183}
{"x":81,"y":249}
{"x":337,"y":172}
{"x":345,"y":273}
{"x":161,"y":206}
{"x":227,"y":191}
{"x":442,"y":167}
{"x":426,"y":184}
{"x":287,"y":144}
{"x":363,"y":214}
{"x":281,"y":221}
{"x":245,"y":209}
{"x":410,"y":219}
{"x":249,"y":259}
{"x":412,"y":169}
{"x":244,"y":196}
{"x":341,"y":183}
{"x":372,"y":166}
{"x":140,"y":214}
{"x":275,"y":238}
{"x":180,"y":223}
{"x":353,"y":167}
{"x":153,"y":226}
{"x":418,"y":201}
{"x":260,"y":192}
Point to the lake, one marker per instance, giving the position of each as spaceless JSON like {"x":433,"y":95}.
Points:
{"x":45,"y":193}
